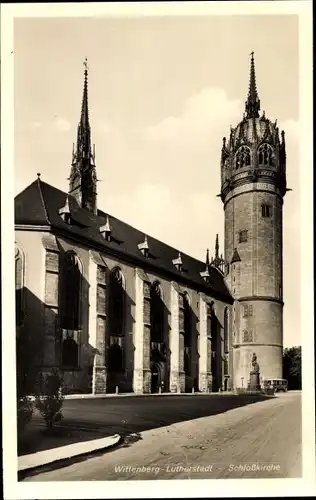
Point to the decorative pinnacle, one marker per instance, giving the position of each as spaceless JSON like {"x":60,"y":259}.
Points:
{"x":252,"y":106}
{"x":207,"y":258}
{"x":216,"y":247}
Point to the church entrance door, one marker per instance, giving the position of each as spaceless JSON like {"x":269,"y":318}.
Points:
{"x":155,"y":377}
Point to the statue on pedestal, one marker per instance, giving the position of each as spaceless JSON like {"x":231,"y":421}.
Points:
{"x":254,"y":363}
{"x":254,"y":384}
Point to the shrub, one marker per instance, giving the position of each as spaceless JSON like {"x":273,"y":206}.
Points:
{"x":269,"y":391}
{"x":24,"y":413}
{"x":50,"y":398}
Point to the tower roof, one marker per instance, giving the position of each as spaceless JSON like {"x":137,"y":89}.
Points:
{"x":252,"y":106}
{"x":84,"y":131}
{"x":235,"y":257}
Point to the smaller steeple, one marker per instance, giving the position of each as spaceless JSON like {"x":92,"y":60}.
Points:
{"x":252,"y":106}
{"x":83,"y":177}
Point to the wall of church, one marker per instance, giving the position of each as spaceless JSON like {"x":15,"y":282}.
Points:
{"x":33,"y":291}
{"x":44,"y":253}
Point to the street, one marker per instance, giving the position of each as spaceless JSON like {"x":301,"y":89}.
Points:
{"x":261,"y":440}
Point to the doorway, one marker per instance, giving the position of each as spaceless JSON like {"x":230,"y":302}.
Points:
{"x":155,"y":378}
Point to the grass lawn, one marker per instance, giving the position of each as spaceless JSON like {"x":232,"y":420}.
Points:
{"x":36,"y":437}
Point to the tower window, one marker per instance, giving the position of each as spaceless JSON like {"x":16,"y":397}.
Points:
{"x":265,"y":155}
{"x":247,"y":311}
{"x":266,"y":210}
{"x":247,"y":336}
{"x":243,"y":236}
{"x":243,"y":157}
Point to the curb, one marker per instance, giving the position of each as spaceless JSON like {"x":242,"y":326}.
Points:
{"x":63,"y":455}
{"x":133,"y":395}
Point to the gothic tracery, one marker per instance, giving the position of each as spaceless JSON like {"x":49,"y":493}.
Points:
{"x":242,"y":157}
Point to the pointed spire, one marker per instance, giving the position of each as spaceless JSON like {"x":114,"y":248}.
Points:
{"x":216,"y":248}
{"x":84,"y":132}
{"x":83,"y":176}
{"x":253,"y":103}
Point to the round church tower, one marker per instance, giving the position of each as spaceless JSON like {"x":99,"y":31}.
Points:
{"x":253,"y":184}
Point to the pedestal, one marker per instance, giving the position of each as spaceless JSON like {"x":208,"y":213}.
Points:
{"x":254,"y":384}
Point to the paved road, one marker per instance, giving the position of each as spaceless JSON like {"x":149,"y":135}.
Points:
{"x":265,"y":436}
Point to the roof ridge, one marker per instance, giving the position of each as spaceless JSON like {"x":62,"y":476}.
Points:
{"x":42,"y":199}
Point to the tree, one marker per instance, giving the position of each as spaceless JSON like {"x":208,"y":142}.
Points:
{"x":292,"y":367}
{"x":50,"y":398}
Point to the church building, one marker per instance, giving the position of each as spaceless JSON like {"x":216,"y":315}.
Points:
{"x":114,"y":309}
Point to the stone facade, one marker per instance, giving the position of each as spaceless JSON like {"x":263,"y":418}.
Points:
{"x":91,"y":373}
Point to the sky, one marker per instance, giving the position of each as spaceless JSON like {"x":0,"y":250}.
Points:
{"x":163,"y":92}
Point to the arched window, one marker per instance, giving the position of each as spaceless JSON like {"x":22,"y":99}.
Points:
{"x":70,"y":349}
{"x":226,"y":330}
{"x":209,"y":320}
{"x":187,"y":320}
{"x":265,"y":155}
{"x":116,"y":303}
{"x":242,"y":157}
{"x":115,"y":359}
{"x":71,"y":279}
{"x":70,"y":292}
{"x":19,"y":284}
{"x":186,"y":361}
{"x":156,"y":313}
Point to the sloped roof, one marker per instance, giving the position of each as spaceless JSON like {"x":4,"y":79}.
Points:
{"x":235,"y":257}
{"x":40,"y":202}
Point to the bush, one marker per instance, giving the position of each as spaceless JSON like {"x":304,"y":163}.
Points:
{"x":24,"y":413}
{"x":50,"y":398}
{"x":269,"y":391}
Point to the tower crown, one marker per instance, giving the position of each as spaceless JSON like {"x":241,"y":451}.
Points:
{"x":254,"y":144}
